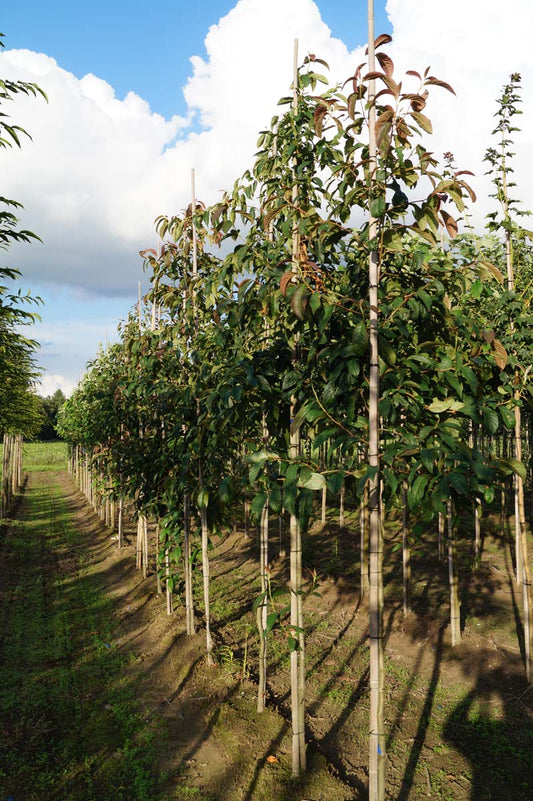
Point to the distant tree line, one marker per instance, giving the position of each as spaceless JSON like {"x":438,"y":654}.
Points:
{"x":48,"y":408}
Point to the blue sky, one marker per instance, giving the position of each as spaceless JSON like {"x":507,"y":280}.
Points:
{"x":132,"y":50}
{"x":141,"y":94}
{"x":146,"y":49}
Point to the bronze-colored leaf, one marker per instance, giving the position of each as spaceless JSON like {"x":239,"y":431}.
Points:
{"x":450,"y":223}
{"x":488,"y":335}
{"x":436,"y":82}
{"x":418,"y":102}
{"x":414,"y":73}
{"x":320,"y":113}
{"x":495,"y":271}
{"x":386,"y":63}
{"x":381,"y":93}
{"x":392,"y":85}
{"x":382,"y":39}
{"x":371,"y":76}
{"x":469,"y":190}
{"x":286,"y":279}
{"x":500,"y":354}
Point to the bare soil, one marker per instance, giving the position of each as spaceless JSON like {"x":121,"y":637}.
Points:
{"x":459,"y":721}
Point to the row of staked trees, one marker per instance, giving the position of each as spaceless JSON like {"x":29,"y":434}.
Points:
{"x":19,"y":406}
{"x":324,"y":328}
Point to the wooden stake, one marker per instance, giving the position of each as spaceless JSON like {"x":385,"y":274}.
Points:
{"x":377,"y":677}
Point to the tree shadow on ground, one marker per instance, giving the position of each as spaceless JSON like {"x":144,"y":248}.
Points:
{"x":492,"y":727}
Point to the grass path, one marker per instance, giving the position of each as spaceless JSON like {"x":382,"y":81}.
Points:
{"x":69,"y":729}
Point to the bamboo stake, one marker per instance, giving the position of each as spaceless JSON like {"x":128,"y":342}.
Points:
{"x":377,"y":733}
{"x":203,"y":510}
{"x":295,"y":581}
{"x":145,"y":546}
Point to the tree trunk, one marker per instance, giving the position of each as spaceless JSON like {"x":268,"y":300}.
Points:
{"x":189,"y":601}
{"x":262,"y":610}
{"x":455,"y":605}
{"x":406,"y":554}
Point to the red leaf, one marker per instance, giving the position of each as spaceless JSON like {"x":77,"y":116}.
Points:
{"x":500,"y":354}
{"x":373,"y":75}
{"x":286,"y":278}
{"x":450,"y":223}
{"x":383,"y":38}
{"x":320,"y":113}
{"x":436,"y":82}
{"x":386,"y":63}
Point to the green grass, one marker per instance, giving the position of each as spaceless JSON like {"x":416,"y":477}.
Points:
{"x":69,"y":723}
{"x":44,"y":456}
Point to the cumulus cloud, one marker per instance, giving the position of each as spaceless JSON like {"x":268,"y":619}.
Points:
{"x":474,"y":46}
{"x":52,"y":382}
{"x":100,"y":169}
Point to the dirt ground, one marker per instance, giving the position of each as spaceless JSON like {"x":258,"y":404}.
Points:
{"x":459,"y":721}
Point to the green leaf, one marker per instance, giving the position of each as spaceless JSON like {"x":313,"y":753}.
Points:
{"x":334,"y":481}
{"x":272,"y":619}
{"x":299,"y":300}
{"x":202,"y":499}
{"x":378,"y":206}
{"x":490,"y":419}
{"x":256,"y":507}
{"x":275,"y":499}
{"x":315,"y":481}
{"x":446,"y":405}
{"x":458,"y":482}
{"x":417,"y":489}
{"x":509,"y":466}
{"x":422,"y":121}
{"x":488,"y":494}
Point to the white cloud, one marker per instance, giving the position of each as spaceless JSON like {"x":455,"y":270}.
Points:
{"x":474,"y":46}
{"x":100,"y":169}
{"x":51,"y":383}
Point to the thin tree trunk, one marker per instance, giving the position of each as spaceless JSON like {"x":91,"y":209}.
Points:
{"x":189,"y":601}
{"x":455,"y":606}
{"x":406,"y":554}
{"x":364,"y":525}
{"x":342,"y":500}
{"x":205,"y":570}
{"x":120,"y":524}
{"x":138,"y":546}
{"x":441,"y":536}
{"x":525,"y":572}
{"x":262,"y":610}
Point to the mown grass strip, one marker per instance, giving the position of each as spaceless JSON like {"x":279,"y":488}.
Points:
{"x":69,"y":728}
